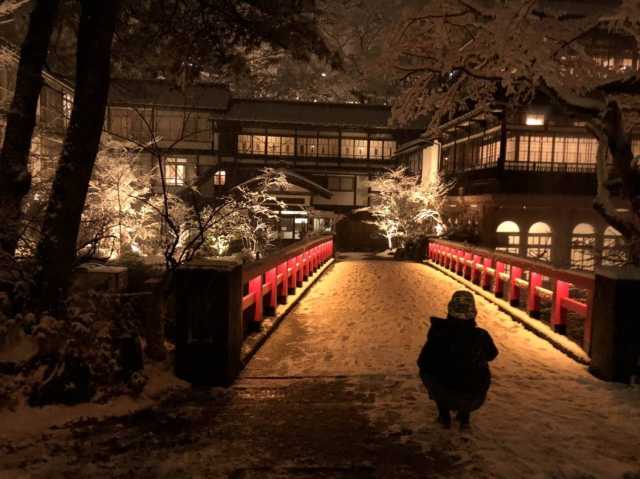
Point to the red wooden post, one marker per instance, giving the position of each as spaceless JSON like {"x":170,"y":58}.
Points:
{"x":293,"y":274}
{"x":314,"y":259}
{"x":514,"y":290}
{"x":283,"y":278}
{"x":300,"y":269}
{"x":533,"y":300}
{"x":466,"y":269}
{"x":475,"y":273}
{"x":484,"y":277}
{"x":558,"y":313}
{"x":497,"y":279}
{"x":271,"y":278}
{"x":255,"y":288}
{"x":305,"y":265}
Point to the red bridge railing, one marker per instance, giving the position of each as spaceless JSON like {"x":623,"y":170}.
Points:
{"x":488,"y":269}
{"x":269,"y":282}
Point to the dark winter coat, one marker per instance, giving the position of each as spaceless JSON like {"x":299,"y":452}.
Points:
{"x":454,"y":363}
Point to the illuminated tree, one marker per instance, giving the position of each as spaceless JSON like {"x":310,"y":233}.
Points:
{"x":458,"y":56}
{"x":405,"y":209}
{"x":114,"y":209}
{"x":177,"y":39}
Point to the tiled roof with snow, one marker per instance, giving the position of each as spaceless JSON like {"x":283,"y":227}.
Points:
{"x":309,"y":113}
{"x":160,"y":92}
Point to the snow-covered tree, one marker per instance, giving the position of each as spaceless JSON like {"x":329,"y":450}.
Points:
{"x":183,"y":227}
{"x":458,"y":56}
{"x":405,"y":209}
{"x":114,"y":210}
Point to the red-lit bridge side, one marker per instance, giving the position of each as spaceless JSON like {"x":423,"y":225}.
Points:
{"x":488,"y":269}
{"x":270,"y":283}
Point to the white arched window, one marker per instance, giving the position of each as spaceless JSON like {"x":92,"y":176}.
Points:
{"x":613,"y":250}
{"x":583,"y":244}
{"x":539,"y":242}
{"x":508,"y":237}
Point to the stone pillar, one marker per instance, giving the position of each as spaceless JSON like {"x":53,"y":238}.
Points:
{"x":615,"y":331}
{"x":209,"y":323}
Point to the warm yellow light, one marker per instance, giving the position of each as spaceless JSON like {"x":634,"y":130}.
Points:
{"x":535,"y":120}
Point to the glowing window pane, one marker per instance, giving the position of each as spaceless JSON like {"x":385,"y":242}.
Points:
{"x":220,"y":178}
{"x":175,"y":171}
{"x":534,"y":119}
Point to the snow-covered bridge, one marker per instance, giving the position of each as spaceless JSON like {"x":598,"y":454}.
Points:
{"x":334,"y":393}
{"x":546,"y":416}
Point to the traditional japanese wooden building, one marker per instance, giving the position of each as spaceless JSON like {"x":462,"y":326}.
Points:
{"x":203,"y":136}
{"x":525,"y":180}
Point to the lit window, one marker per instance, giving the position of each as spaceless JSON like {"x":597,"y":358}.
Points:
{"x":220,"y":178}
{"x":307,"y":146}
{"x":539,"y":242}
{"x":389,"y":149}
{"x":508,"y":236}
{"x":360,"y":149}
{"x":375,"y":149}
{"x":534,"y":119}
{"x":244,"y":144}
{"x":328,"y":147}
{"x":613,"y":252}
{"x":175,"y":171}
{"x":259,"y":144}
{"x":583,"y":243}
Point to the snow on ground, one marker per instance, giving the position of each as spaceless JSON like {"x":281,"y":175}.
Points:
{"x":26,"y":423}
{"x":546,"y":416}
{"x":334,"y":392}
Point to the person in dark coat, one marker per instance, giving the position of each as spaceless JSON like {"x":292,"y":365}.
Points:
{"x":454,"y":362}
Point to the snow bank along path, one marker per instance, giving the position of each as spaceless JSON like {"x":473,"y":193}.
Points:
{"x":546,"y":416}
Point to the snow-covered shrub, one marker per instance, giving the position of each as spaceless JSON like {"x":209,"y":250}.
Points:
{"x":95,"y":348}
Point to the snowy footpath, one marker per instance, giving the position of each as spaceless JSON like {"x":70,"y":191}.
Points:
{"x":334,"y":393}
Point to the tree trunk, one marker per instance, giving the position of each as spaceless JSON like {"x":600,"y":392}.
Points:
{"x":57,"y":248}
{"x":15,"y":179}
{"x":613,"y":138}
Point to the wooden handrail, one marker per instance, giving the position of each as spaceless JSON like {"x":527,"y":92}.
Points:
{"x":479,"y":265}
{"x":261,"y":266}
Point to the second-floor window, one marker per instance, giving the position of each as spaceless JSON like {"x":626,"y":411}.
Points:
{"x":549,"y":152}
{"x":326,"y":146}
{"x":280,"y":145}
{"x":175,"y":171}
{"x":307,"y":146}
